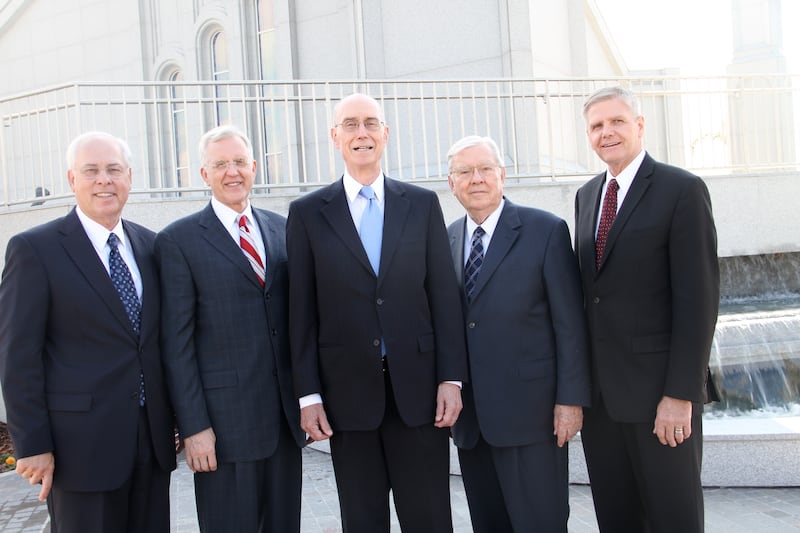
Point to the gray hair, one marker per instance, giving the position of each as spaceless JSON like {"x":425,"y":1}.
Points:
{"x":218,"y":134}
{"x":72,"y":149}
{"x":474,"y":140}
{"x":608,"y":93}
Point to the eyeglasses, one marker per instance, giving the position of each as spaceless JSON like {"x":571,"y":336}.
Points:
{"x":240,"y":163}
{"x":114,"y":172}
{"x":352,"y":125}
{"x":466,"y":172}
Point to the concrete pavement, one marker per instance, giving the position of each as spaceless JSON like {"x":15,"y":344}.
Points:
{"x":728,"y":510}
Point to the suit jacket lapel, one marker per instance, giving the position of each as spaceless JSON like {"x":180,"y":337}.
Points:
{"x":80,"y":250}
{"x":588,"y":219}
{"x":505,"y":234}
{"x":337,"y":213}
{"x":147,"y":270}
{"x":272,"y":246}
{"x":212,"y":230}
{"x":457,"y":248}
{"x":641,"y":182}
{"x":395,"y":212}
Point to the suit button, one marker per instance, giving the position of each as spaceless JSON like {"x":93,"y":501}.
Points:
{"x":379,"y":301}
{"x":275,"y":332}
{"x":376,"y":342}
{"x":471,"y":325}
{"x":267,"y":296}
{"x":596,"y":300}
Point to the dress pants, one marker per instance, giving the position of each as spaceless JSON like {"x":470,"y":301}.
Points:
{"x":412,"y":462}
{"x":638,"y":484}
{"x":140,"y":505}
{"x":261,"y":496}
{"x":516,"y":488}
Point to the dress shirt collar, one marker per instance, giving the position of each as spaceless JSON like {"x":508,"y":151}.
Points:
{"x":488,"y":225}
{"x":625,"y":177}
{"x":98,"y":234}
{"x":228,"y":216}
{"x":353,"y":187}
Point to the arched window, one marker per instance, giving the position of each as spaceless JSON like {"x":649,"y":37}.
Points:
{"x":180,"y":149}
{"x":273,"y":114}
{"x":220,"y":71}
{"x":266,"y":39}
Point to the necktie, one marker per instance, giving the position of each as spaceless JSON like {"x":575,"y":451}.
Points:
{"x":607,"y":216}
{"x":123,"y":281}
{"x":371,"y":229}
{"x":474,"y":261}
{"x":250,"y":251}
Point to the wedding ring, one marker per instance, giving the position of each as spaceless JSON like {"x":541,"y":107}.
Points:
{"x":678,"y":430}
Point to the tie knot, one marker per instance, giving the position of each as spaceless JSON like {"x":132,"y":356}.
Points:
{"x":613,"y":186}
{"x":243,"y":221}
{"x":113,"y":240}
{"x":478,"y":233}
{"x":367,"y":192}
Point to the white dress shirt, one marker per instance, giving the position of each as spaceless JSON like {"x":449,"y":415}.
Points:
{"x":229,"y":219}
{"x":624,"y":180}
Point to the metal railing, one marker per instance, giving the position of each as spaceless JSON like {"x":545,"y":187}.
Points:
{"x":711,"y":125}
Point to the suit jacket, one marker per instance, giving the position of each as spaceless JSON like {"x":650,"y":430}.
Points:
{"x":224,"y":336}
{"x":70,"y":361}
{"x":526,"y":332}
{"x":340,"y":311}
{"x":652,"y":306}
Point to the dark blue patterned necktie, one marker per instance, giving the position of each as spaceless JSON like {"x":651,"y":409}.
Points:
{"x":123,"y":282}
{"x":474,"y":262}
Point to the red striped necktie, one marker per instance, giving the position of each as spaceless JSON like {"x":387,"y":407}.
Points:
{"x":249,"y":248}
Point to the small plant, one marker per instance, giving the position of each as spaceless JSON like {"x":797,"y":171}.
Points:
{"x":7,"y":462}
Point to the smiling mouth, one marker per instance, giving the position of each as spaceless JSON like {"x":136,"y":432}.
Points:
{"x":105,"y":195}
{"x":363,"y":148}
{"x":611,"y":145}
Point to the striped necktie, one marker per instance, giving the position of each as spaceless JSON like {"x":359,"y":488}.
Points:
{"x":249,"y":249}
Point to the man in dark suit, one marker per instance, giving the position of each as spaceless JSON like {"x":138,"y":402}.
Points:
{"x":651,"y":296}
{"x":527,"y":346}
{"x":79,"y":358}
{"x":226,"y":348}
{"x":374,"y":335}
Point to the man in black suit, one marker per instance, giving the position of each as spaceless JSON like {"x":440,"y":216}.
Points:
{"x":375,"y":332}
{"x":651,"y":296}
{"x":79,"y":359}
{"x":226,"y":348}
{"x":527,"y":345}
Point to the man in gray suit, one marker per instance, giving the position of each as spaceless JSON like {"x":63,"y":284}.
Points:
{"x":527,"y":348}
{"x":226,"y":348}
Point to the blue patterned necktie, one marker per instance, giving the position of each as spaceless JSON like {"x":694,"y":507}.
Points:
{"x":474,"y":262}
{"x":371,"y":228}
{"x":123,"y":282}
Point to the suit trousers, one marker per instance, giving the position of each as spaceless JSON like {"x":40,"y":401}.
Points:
{"x":412,"y":462}
{"x":253,"y":496}
{"x":516,"y":488}
{"x":638,"y":484}
{"x":140,"y":505}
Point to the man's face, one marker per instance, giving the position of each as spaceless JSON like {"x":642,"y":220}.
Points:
{"x":230,"y":171}
{"x":476,"y":179}
{"x":101,"y":180}
{"x":614,"y":133}
{"x":362,"y":146}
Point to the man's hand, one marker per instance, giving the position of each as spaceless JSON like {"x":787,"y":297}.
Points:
{"x":673,"y":423}
{"x":567,"y":421}
{"x":448,"y":405}
{"x":201,"y":455}
{"x":314,"y":421}
{"x":38,"y":469}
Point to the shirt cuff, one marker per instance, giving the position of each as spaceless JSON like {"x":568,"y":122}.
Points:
{"x":310,"y":399}
{"x":456,"y":383}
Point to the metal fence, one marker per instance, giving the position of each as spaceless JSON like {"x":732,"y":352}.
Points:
{"x":711,"y":125}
